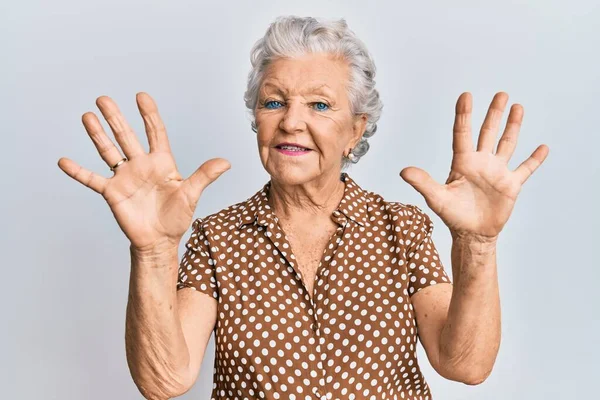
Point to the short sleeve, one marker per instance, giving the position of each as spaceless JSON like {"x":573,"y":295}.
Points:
{"x":197,"y":267}
{"x":423,"y":262}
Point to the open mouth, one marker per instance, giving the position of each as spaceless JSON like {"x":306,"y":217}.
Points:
{"x":292,"y":148}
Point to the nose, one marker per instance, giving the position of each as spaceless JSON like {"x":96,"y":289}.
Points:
{"x":293,"y":120}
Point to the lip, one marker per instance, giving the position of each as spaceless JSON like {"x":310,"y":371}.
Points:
{"x":292,"y":152}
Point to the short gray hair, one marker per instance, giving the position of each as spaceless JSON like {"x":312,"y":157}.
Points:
{"x":290,"y":36}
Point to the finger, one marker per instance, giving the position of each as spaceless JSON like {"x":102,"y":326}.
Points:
{"x":491,"y":123}
{"x":155,"y":128}
{"x":462,"y":141}
{"x":528,"y":167}
{"x":86,"y":177}
{"x":508,"y":141}
{"x":123,"y":133}
{"x":425,"y":185}
{"x":206,"y":174}
{"x":106,"y":148}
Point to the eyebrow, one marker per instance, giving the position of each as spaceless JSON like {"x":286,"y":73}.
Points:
{"x":322,"y":88}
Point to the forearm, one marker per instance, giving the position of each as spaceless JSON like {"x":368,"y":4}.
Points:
{"x":470,"y":338}
{"x":157,"y":353}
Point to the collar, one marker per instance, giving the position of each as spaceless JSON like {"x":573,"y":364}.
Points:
{"x":353,"y":206}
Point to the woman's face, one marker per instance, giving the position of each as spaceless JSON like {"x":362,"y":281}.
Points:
{"x":304,"y":100}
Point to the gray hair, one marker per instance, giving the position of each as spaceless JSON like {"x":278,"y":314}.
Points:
{"x":290,"y":36}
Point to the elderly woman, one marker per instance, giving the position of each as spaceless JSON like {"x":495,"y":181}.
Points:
{"x":314,"y":287}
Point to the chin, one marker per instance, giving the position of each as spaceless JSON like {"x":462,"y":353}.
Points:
{"x":292,"y":174}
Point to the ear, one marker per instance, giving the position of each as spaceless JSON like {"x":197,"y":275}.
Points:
{"x":359,"y":126}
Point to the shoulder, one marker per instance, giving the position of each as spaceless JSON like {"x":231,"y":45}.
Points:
{"x":225,"y":221}
{"x":408,"y":223}
{"x":397,"y":212}
{"x":222,"y":220}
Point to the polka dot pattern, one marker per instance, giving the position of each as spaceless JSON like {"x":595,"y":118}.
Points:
{"x":356,"y":338}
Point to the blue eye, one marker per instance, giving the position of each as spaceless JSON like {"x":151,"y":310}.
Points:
{"x":269,"y":102}
{"x":321,"y":108}
{"x":320,"y":105}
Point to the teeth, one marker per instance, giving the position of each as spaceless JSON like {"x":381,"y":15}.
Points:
{"x":293,"y":148}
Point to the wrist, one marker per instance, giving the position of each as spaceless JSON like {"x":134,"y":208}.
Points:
{"x":477,"y":244}
{"x":161,"y":249}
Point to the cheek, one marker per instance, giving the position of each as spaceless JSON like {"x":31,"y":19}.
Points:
{"x":262,"y":139}
{"x":330,"y":137}
{"x":267,"y":128}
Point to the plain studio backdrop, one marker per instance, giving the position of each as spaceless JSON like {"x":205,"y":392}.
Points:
{"x":65,"y":264}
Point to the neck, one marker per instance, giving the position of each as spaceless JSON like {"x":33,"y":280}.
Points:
{"x":311,"y":200}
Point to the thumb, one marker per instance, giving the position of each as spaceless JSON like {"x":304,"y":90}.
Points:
{"x":206,"y":174}
{"x":422,"y":182}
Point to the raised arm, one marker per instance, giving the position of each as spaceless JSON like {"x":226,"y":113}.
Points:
{"x":166,"y":332}
{"x":460,"y":325}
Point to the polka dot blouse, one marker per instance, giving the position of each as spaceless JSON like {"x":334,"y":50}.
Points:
{"x":356,"y":338}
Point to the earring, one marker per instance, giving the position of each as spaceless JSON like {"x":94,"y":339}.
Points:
{"x":351,"y":156}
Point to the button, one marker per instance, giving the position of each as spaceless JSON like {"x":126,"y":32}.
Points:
{"x":319,"y":396}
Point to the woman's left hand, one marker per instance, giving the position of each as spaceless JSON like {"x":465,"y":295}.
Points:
{"x":480,"y":192}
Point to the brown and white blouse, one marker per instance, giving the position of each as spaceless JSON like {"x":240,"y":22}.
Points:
{"x":355,"y":339}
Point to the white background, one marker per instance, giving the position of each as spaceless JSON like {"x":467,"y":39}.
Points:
{"x":65,"y":264}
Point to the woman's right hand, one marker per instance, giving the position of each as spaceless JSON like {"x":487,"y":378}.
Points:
{"x":151,"y":202}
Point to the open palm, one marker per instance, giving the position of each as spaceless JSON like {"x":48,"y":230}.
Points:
{"x":150,"y":200}
{"x":480,"y":192}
